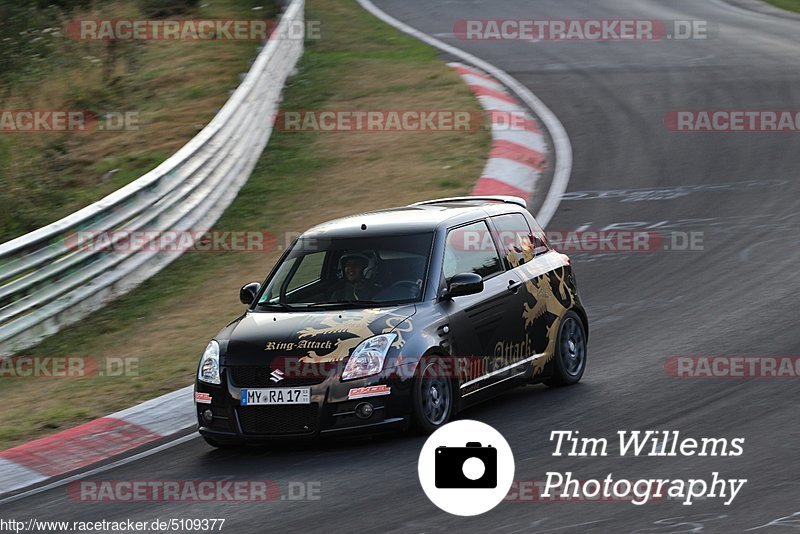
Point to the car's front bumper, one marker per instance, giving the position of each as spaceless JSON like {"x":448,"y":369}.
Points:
{"x":330,"y":412}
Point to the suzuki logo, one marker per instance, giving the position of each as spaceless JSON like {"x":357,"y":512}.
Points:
{"x":277,"y":375}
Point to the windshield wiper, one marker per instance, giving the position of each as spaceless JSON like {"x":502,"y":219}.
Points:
{"x":275,"y":305}
{"x":347,"y":303}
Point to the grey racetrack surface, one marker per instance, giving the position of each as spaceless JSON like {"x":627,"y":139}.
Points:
{"x":737,"y":296}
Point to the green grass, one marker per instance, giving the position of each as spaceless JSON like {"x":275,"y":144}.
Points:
{"x":300,"y":180}
{"x":789,"y":5}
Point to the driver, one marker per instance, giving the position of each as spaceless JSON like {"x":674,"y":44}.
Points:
{"x":355,"y":285}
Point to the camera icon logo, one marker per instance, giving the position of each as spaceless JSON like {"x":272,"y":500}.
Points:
{"x":466,"y":468}
{"x":472,"y":466}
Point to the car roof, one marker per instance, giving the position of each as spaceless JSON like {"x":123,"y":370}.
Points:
{"x":416,"y":218}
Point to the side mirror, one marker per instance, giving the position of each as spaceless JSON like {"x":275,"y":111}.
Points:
{"x":248,"y":293}
{"x":464,"y":284}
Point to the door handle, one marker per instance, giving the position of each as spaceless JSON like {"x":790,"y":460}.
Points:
{"x":513,"y":285}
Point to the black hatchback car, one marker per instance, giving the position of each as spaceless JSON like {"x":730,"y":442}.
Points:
{"x":394,"y":318}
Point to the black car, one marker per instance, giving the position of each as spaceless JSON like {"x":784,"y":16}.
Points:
{"x":394,"y":318}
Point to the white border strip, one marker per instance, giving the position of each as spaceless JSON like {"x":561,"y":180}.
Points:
{"x":561,"y":144}
{"x":14,"y":476}
{"x":501,"y":370}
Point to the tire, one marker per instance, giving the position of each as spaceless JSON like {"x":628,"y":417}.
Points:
{"x":221,"y":444}
{"x":569,"y":360}
{"x":433,"y":397}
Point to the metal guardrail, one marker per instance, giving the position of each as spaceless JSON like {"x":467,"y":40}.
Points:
{"x":47,"y":280}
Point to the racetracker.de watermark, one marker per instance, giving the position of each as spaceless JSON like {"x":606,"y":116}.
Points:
{"x":66,"y":120}
{"x":733,"y":120}
{"x":172,"y":241}
{"x":191,"y":30}
{"x":401,"y":120}
{"x":569,"y":241}
{"x":604,"y":241}
{"x":289,"y":367}
{"x":733,"y":366}
{"x":192,"y":491}
{"x":555,"y":491}
{"x":67,"y":366}
{"x":582,"y":30}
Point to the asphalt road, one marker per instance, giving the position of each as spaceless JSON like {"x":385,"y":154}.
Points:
{"x":736,"y":296}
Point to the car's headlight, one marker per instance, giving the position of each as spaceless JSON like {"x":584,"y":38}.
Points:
{"x":209,"y":364}
{"x":368,"y":357}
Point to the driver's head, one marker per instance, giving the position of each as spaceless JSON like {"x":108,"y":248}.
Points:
{"x":354,"y":268}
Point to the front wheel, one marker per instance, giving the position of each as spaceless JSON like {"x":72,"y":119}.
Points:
{"x":570,"y":352}
{"x":433,"y":397}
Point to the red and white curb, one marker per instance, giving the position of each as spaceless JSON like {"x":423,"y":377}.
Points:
{"x":97,"y":440}
{"x":561,"y":160}
{"x":519,"y":148}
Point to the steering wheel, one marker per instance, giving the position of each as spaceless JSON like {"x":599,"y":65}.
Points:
{"x":414,"y":286}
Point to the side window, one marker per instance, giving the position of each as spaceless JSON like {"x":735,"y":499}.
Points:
{"x":470,"y":249}
{"x":514,"y":237}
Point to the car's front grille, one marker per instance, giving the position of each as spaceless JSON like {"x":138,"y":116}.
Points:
{"x":261,"y":377}
{"x":279,"y":419}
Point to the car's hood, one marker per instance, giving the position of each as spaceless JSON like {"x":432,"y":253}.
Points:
{"x":313,"y":337}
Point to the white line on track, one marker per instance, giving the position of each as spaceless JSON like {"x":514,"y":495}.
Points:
{"x":561,"y":144}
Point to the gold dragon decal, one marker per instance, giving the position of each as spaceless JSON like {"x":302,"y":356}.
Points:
{"x":544,"y":299}
{"x":356,"y":327}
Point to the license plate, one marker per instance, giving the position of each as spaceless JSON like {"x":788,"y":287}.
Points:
{"x":260,"y":397}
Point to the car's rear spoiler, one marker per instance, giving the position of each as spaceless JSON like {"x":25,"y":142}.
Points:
{"x":489,"y":198}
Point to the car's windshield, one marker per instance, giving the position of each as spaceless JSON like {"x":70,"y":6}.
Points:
{"x":350,"y":272}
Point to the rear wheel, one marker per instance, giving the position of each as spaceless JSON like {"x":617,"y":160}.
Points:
{"x":433,"y":396}
{"x":570,"y":352}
